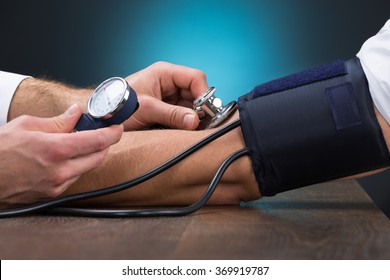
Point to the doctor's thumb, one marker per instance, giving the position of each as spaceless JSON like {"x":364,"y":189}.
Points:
{"x":66,"y":121}
{"x":183,"y":118}
{"x":190,"y":121}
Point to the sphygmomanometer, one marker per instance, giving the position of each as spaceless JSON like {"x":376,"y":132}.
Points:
{"x":306,"y":128}
{"x":112,"y":102}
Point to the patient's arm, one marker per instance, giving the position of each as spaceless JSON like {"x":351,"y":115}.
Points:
{"x":140,"y":151}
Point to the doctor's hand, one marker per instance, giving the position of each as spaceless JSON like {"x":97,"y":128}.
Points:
{"x":165,"y":93}
{"x":40,"y":158}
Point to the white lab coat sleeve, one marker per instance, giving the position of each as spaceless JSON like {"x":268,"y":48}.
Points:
{"x":375,"y":59}
{"x":9,"y":82}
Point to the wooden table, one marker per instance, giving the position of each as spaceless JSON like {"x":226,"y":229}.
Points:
{"x":328,"y":221}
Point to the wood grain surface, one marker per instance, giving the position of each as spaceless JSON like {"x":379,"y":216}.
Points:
{"x":328,"y":221}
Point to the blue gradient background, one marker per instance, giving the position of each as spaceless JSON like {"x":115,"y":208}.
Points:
{"x":237,"y":43}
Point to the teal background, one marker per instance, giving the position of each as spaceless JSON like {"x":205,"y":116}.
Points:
{"x":237,"y":43}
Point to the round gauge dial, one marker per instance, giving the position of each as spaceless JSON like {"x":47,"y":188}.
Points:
{"x":108,"y":98}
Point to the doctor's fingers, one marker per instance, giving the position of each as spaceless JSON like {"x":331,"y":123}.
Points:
{"x":172,"y":116}
{"x":71,"y":170}
{"x":65,"y":146}
{"x":173,"y":77}
{"x":181,"y":97}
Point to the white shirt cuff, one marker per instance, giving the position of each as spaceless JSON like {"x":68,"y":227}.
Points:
{"x":8,"y":85}
{"x":375,"y":59}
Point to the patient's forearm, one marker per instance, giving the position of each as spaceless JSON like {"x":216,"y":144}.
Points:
{"x":141,"y":151}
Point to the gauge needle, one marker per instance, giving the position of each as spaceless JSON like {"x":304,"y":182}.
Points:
{"x":106,"y":95}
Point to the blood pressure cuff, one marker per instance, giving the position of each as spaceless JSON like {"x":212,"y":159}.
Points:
{"x":312,"y":127}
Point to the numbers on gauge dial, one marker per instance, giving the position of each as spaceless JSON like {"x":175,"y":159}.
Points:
{"x":107,"y":98}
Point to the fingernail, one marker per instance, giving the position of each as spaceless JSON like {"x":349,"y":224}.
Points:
{"x":71,"y":110}
{"x":188,"y":121}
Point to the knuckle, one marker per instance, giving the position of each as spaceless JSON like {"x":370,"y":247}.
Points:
{"x":61,"y":176}
{"x":24,"y":120}
{"x":101,"y":141}
{"x":173,"y":114}
{"x":58,"y":177}
{"x":53,"y":192}
{"x":160,"y":64}
{"x":145,"y":103}
{"x":56,"y":152}
{"x":160,"y":67}
{"x":58,"y":123}
{"x":98,"y":160}
{"x":200,"y":74}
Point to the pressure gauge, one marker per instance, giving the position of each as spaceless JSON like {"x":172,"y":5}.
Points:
{"x":112,"y":102}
